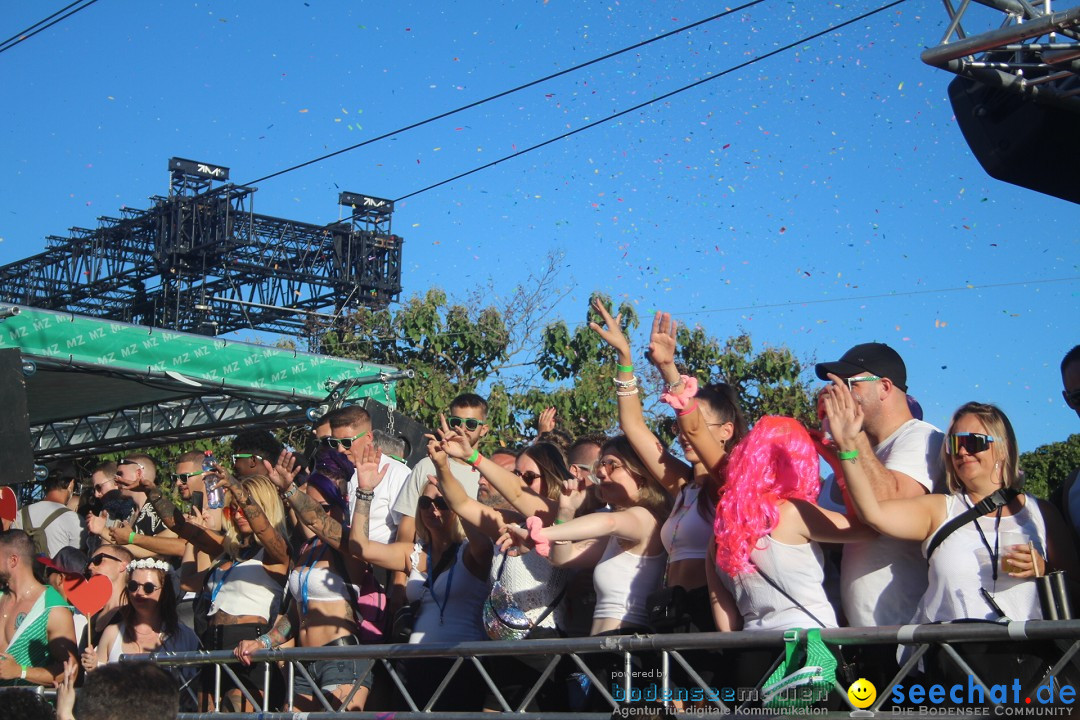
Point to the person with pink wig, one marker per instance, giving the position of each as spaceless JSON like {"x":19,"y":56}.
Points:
{"x":768,"y":568}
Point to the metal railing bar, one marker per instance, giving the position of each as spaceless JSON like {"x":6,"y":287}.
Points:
{"x":964,"y":667}
{"x":315,"y":689}
{"x":552,"y":664}
{"x":594,"y":682}
{"x":444,"y":684}
{"x":905,"y":670}
{"x":491,"y":684}
{"x":358,"y":684}
{"x":239,"y":684}
{"x":400,"y":685}
{"x":720,"y":704}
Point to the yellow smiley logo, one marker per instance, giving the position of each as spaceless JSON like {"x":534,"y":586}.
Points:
{"x":862,"y":693}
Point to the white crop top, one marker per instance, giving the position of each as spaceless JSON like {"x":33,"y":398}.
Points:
{"x":308,"y":582}
{"x":623,"y":580}
{"x":685,"y":533}
{"x":244,"y":588}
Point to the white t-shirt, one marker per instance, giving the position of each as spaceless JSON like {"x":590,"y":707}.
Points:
{"x":383,"y":520}
{"x":67,"y":529}
{"x":882,"y":580}
{"x":414,"y":487}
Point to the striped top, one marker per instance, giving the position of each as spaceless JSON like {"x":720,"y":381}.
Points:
{"x":29,"y":645}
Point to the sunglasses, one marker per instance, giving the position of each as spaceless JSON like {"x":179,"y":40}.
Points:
{"x":327,"y":507}
{"x":244,"y":456}
{"x":346,"y":443}
{"x":528,"y":476}
{"x":98,"y":559}
{"x":608,"y":465}
{"x":972,"y":442}
{"x":184,"y":477}
{"x":675,"y":426}
{"x":148,"y":588}
{"x":100,"y":486}
{"x":862,"y":378}
{"x":426,"y":503}
{"x":470,"y":423}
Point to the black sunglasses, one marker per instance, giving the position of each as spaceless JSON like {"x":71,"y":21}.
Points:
{"x":426,"y":503}
{"x":184,"y":477}
{"x":148,"y":588}
{"x":972,"y":442}
{"x":98,"y":559}
{"x":528,"y":476}
{"x":470,"y":423}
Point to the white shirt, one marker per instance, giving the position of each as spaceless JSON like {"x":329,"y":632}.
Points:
{"x":65,"y":530}
{"x":882,"y":580}
{"x":384,"y":519}
{"x":406,"y":500}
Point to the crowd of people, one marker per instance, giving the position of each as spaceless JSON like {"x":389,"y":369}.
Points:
{"x":601,"y":535}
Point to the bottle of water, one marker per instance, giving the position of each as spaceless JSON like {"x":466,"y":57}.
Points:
{"x":215,"y":496}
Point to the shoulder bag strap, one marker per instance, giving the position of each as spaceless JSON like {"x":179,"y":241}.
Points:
{"x":987,"y":505}
{"x":785,"y":593}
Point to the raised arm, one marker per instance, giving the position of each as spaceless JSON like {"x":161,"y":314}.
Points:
{"x":908,"y":518}
{"x":393,"y":556}
{"x":274,"y":544}
{"x":662,"y":344}
{"x":283,"y":474}
{"x":509,"y":485}
{"x":202,"y":538}
{"x":668,"y":471}
{"x":471,"y":511}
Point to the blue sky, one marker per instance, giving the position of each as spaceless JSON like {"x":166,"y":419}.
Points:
{"x":829,"y":183}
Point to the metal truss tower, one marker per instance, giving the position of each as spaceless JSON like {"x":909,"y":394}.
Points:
{"x":201,"y":260}
{"x":1031,"y":49}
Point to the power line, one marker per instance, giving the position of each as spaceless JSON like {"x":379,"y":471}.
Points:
{"x":878,"y":296}
{"x":27,"y":34}
{"x":790,"y":303}
{"x":511,"y":91}
{"x":665,"y":96}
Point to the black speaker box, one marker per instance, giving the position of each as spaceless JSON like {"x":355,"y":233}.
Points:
{"x":1017,"y":140}
{"x":15,"y":452}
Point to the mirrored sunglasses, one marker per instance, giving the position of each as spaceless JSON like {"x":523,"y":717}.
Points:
{"x":972,"y":442}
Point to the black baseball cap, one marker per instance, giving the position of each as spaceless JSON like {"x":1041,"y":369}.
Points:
{"x":874,"y":358}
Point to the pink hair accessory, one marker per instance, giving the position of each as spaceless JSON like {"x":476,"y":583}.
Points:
{"x":682,"y":399}
{"x":541,"y":543}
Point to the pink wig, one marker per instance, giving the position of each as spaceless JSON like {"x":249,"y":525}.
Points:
{"x":776,"y":461}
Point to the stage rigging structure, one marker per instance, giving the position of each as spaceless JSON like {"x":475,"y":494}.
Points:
{"x":201,"y":260}
{"x":1017,"y":90}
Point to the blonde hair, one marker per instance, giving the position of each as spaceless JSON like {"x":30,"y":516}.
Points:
{"x":457,"y":532}
{"x":1003,"y":447}
{"x":265,"y":494}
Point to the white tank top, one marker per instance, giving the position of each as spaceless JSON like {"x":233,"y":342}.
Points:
{"x":450,"y":608}
{"x":799,"y":570}
{"x":244,"y":588}
{"x":961,"y":565}
{"x":623,"y":580}
{"x":685,"y":533}
{"x":523,"y":587}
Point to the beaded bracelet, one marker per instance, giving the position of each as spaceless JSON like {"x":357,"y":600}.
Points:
{"x":626,"y":393}
{"x":632,"y":382}
{"x":681,"y":399}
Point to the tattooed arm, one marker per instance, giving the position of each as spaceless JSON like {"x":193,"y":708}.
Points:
{"x":312,"y":515}
{"x":275,"y":545}
{"x":202,"y":538}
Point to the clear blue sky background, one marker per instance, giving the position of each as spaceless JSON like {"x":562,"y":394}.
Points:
{"x":832,"y":172}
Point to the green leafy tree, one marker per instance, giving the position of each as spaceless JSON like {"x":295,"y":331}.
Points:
{"x":1047,"y":466}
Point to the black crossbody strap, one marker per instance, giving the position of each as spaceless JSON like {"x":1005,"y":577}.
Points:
{"x":785,"y":593}
{"x":987,"y":505}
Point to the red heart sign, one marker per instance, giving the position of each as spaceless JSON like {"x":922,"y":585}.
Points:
{"x":8,"y":506}
{"x":88,"y":596}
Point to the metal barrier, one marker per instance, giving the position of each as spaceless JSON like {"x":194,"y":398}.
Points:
{"x":1063,"y":634}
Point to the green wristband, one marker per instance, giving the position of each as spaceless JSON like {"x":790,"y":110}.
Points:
{"x":131,"y":537}
{"x":474,"y":458}
{"x":848,"y":455}
{"x":624,"y":368}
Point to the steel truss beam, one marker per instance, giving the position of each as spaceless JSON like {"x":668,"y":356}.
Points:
{"x":1035,"y":52}
{"x":207,"y":263}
